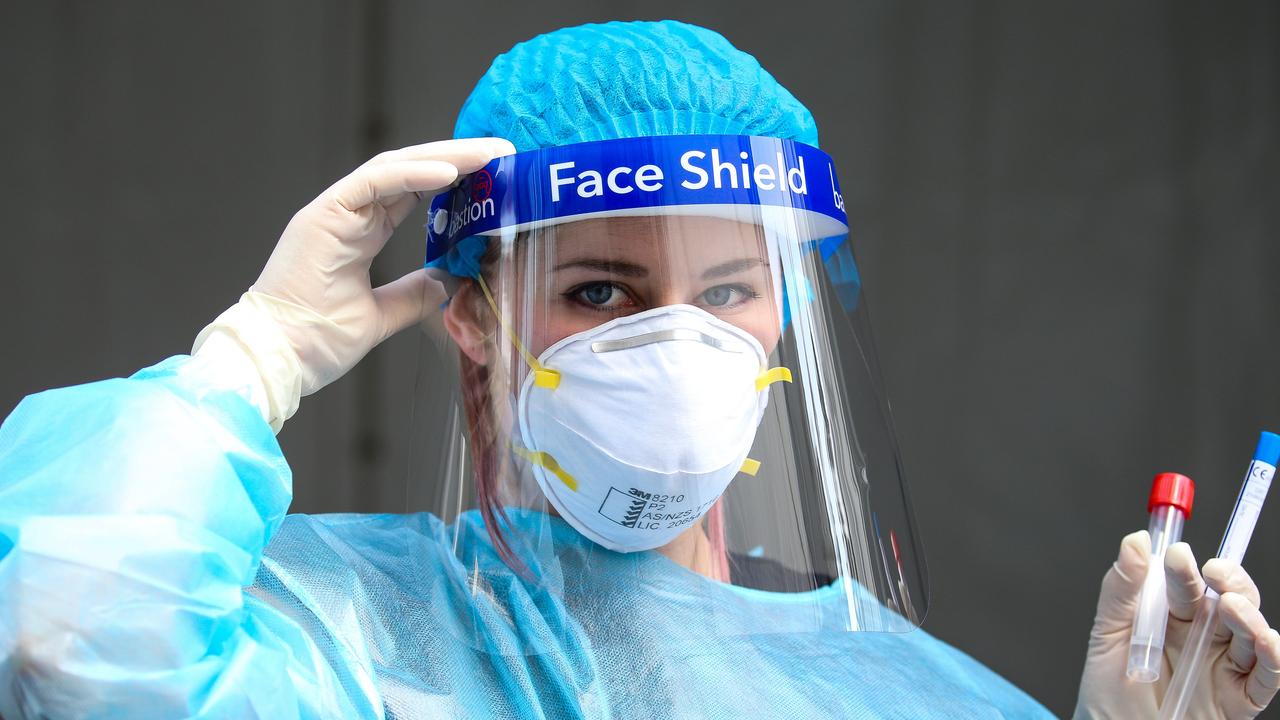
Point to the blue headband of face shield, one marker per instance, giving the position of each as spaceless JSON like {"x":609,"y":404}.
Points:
{"x":687,"y":172}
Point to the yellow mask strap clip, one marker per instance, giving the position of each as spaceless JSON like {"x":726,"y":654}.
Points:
{"x":548,"y":463}
{"x":750,"y":467}
{"x":771,"y":376}
{"x":542,"y":376}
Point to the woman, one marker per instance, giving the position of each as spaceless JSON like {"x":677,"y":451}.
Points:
{"x":622,"y":312}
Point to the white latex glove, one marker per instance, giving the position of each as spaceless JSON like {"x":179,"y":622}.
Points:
{"x":313,"y":313}
{"x":1242,"y":672}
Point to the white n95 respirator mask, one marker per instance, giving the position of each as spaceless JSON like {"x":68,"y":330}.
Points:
{"x":635,"y":427}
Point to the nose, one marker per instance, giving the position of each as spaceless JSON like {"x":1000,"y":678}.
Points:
{"x":670,"y":296}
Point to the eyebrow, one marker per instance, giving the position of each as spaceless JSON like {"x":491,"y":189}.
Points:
{"x":731,"y":267}
{"x":627,"y":269}
{"x":613,"y":267}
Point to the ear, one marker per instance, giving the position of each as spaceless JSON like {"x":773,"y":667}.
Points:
{"x":464,"y":323}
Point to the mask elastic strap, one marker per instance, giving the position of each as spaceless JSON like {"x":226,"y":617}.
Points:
{"x":771,"y":376}
{"x":764,"y":380}
{"x":548,"y":463}
{"x":542,"y":376}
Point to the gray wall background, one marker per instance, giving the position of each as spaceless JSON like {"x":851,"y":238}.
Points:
{"x":1066,"y":216}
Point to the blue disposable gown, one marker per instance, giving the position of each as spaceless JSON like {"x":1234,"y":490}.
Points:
{"x":148,"y":570}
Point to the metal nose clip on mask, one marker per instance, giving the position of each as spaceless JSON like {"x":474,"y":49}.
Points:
{"x":653,"y":416}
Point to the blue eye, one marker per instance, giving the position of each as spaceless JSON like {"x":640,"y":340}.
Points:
{"x":724,"y":296}
{"x":718,"y":296}
{"x":600,"y":296}
{"x":597,"y":294}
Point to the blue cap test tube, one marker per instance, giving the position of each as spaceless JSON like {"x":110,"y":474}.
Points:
{"x":1257,"y":481}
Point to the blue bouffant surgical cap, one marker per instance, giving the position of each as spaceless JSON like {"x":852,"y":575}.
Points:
{"x":622,"y":80}
{"x":629,"y":79}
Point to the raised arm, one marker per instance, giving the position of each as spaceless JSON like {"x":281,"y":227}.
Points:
{"x":134,"y":512}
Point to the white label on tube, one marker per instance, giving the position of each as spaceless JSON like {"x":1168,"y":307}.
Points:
{"x":1245,"y":516}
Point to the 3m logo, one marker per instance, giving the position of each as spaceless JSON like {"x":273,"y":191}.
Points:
{"x":625,"y":508}
{"x":633,"y":512}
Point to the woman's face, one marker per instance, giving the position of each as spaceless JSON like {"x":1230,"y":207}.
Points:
{"x":593,"y":271}
{"x":575,"y":276}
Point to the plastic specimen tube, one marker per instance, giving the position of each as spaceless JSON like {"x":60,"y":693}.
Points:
{"x":1170,"y":506}
{"x":1234,"y":543}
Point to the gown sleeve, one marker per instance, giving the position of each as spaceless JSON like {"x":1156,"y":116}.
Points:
{"x":133,"y":514}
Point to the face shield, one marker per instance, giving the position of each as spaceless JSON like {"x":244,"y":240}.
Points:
{"x":653,"y":383}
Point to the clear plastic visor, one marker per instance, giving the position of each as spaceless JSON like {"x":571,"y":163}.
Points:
{"x":671,"y":411}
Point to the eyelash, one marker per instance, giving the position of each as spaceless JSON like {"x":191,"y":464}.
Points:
{"x":746,"y":292}
{"x":573,"y":295}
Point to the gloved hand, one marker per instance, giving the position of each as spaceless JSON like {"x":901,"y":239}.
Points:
{"x":1242,"y":672}
{"x":313,"y":313}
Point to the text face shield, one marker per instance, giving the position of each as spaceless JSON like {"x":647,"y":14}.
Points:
{"x":656,"y":393}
